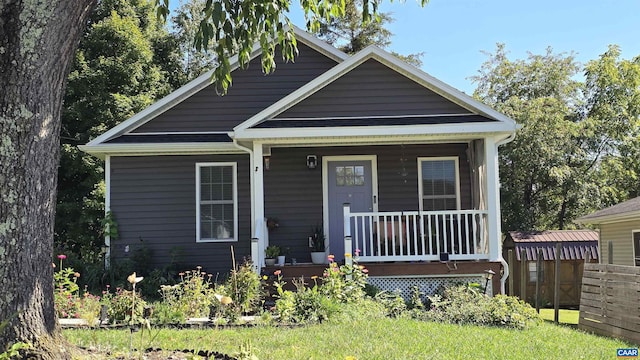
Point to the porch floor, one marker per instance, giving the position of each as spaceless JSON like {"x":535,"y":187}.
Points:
{"x":397,"y":270}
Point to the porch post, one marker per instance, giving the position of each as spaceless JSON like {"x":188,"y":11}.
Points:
{"x":493,"y":197}
{"x":257,"y":175}
{"x":348,"y":247}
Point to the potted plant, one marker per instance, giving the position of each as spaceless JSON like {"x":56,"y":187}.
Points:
{"x":317,"y":245}
{"x":271,"y":253}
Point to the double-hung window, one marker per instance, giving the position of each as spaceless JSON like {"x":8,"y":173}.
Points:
{"x":216,"y":202}
{"x":439,"y":183}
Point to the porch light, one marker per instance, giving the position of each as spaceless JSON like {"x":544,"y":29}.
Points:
{"x":488,"y":274}
{"x":312,"y":162}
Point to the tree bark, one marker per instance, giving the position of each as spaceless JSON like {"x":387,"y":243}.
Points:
{"x":37,"y":44}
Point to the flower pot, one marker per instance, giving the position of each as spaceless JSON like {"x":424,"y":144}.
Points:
{"x":318,"y":257}
{"x":269,"y":261}
{"x":280,"y":260}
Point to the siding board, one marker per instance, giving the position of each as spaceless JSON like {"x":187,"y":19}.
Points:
{"x":372,"y":89}
{"x":620,"y":233}
{"x":153,"y":201}
{"x":252,"y":91}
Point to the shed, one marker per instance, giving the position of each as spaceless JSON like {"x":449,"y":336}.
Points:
{"x":577,"y":247}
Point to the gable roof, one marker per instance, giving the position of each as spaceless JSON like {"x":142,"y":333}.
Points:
{"x":198,"y":84}
{"x":628,"y":210}
{"x":252,"y":129}
{"x":575,"y":244}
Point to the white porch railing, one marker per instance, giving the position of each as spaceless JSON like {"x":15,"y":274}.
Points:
{"x":417,"y":236}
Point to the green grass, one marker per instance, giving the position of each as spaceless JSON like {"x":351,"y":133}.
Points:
{"x":369,"y":339}
{"x":565,"y":317}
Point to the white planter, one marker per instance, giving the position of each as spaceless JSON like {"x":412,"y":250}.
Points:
{"x":318,"y":257}
{"x":281,"y":260}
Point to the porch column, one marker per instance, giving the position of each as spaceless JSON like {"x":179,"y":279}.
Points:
{"x":493,"y":197}
{"x":257,"y":223}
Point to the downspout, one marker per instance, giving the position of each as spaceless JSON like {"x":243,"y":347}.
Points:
{"x":254,"y":225}
{"x":504,"y":263}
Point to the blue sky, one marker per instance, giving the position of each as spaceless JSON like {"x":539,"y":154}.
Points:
{"x":453,"y":33}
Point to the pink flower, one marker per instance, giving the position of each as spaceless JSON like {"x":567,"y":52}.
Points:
{"x":62,"y":256}
{"x":277,"y":273}
{"x":365,"y":271}
{"x":357,"y":252}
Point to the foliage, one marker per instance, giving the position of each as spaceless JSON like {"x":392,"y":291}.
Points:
{"x":350,"y":34}
{"x":304,"y":305}
{"x":466,"y":305}
{"x":229,"y":28}
{"x":245,"y":288}
{"x":122,"y":304}
{"x":67,"y":299}
{"x":571,"y":156}
{"x":13,"y":350}
{"x":185,"y":24}
{"x":192,"y":296}
{"x":393,"y":303}
{"x":124,"y":62}
{"x":272,"y":251}
{"x":344,"y":283}
{"x":318,"y":239}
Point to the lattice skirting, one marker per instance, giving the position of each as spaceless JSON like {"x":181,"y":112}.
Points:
{"x":428,"y":285}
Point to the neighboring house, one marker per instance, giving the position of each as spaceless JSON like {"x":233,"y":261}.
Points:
{"x":577,"y":246}
{"x":619,"y":226}
{"x":415,"y":159}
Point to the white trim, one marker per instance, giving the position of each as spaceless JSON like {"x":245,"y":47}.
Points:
{"x":391,"y":61}
{"x":203,"y":81}
{"x":610,"y":219}
{"x":178,"y":133}
{"x":633,"y":245}
{"x":257,"y":176}
{"x":456,"y":161}
{"x":325,"y":183}
{"x":493,"y":198}
{"x":161,"y":149}
{"x":234,"y":166}
{"x":387,"y":130}
{"x":107,"y":208}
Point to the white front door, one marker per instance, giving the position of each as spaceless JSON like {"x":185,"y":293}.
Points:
{"x":347,"y":179}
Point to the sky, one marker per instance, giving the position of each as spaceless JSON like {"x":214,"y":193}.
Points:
{"x":453,"y":34}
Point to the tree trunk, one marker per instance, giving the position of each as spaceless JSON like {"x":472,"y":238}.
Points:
{"x":37,"y":44}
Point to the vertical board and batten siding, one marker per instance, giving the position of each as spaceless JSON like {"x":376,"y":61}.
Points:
{"x":153,"y":201}
{"x":610,"y":301}
{"x":372,"y":89}
{"x":620,"y":233}
{"x":293,"y":193}
{"x":251,"y":92}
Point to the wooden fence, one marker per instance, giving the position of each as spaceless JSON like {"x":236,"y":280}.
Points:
{"x":610,"y":301}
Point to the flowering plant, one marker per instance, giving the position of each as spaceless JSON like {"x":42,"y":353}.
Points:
{"x":317,"y":239}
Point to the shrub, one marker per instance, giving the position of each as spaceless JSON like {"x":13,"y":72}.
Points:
{"x":245,"y":288}
{"x":344,"y":283}
{"x":466,"y":305}
{"x":192,"y":296}
{"x":393,"y":303}
{"x":305,"y":305}
{"x":121,"y":303}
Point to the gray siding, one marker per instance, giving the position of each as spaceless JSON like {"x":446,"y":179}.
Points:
{"x":153,"y":201}
{"x":620,"y":234}
{"x":293,"y":193}
{"x":252,"y":91}
{"x":372,"y":89}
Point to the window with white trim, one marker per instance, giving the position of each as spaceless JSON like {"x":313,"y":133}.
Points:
{"x":216,"y":202}
{"x":439,"y":183}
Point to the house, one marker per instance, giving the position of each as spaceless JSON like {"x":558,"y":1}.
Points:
{"x":619,"y":230}
{"x":577,"y":246}
{"x":414,"y":159}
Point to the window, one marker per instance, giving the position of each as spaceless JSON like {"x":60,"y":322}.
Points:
{"x":350,"y":175}
{"x":439,"y":183}
{"x":216,"y":202}
{"x":636,"y":246}
{"x":533,"y":274}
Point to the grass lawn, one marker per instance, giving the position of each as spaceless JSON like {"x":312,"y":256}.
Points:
{"x":566,"y":316}
{"x":366,"y":338}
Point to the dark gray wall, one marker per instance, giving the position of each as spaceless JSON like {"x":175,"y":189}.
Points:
{"x":153,"y":201}
{"x":293,"y":193}
{"x":251,"y":92}
{"x":373,"y":89}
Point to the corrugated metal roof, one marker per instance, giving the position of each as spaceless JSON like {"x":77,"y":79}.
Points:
{"x":568,"y":251}
{"x":554,"y":236}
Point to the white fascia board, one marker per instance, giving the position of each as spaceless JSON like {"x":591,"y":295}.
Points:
{"x":347,"y":131}
{"x":628,"y":216}
{"x":203,"y":81}
{"x":160,"y":149}
{"x":319,"y":45}
{"x":388,"y":59}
